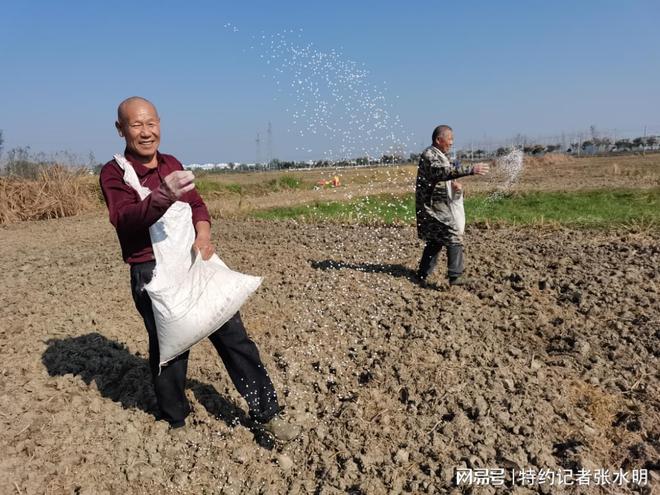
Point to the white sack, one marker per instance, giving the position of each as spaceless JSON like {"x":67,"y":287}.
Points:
{"x":456,"y":207}
{"x":191,"y":298}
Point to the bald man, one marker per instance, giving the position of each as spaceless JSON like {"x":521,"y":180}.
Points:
{"x":139,"y":124}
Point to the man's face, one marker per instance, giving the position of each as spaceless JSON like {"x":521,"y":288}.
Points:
{"x":140,"y":127}
{"x":445,"y":141}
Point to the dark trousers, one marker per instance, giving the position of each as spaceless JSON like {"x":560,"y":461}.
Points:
{"x":430,"y":259}
{"x":238,"y":353}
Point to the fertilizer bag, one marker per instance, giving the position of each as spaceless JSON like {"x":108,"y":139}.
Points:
{"x":191,"y":298}
{"x":456,"y":207}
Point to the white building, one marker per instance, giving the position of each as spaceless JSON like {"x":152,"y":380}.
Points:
{"x":206,"y":166}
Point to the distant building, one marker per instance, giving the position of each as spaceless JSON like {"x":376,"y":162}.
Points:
{"x":207,"y":166}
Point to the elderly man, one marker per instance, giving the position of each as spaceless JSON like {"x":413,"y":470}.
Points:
{"x":139,"y":124}
{"x":435,"y":191}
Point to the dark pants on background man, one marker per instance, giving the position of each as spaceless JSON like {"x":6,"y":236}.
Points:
{"x":238,"y":353}
{"x":430,"y":259}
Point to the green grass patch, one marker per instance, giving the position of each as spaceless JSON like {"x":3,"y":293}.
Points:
{"x":288,"y":182}
{"x":578,"y":209}
{"x":233,"y":188}
{"x":207,"y":187}
{"x":582,"y":209}
{"x":210,"y":187}
{"x":386,"y":209}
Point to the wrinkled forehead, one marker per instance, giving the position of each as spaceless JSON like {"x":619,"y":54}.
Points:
{"x":137,"y":110}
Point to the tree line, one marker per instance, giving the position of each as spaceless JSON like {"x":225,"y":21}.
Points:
{"x":21,"y":162}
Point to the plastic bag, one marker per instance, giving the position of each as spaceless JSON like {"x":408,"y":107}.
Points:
{"x":456,"y":207}
{"x":191,"y":298}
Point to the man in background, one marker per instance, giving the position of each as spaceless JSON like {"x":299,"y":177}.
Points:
{"x":437,"y":223}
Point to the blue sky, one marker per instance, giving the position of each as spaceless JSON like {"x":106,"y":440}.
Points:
{"x":489,"y":69}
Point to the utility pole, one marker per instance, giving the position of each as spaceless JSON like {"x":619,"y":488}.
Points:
{"x":258,"y":141}
{"x":644,"y":142}
{"x":270,"y":143}
{"x":579,"y":143}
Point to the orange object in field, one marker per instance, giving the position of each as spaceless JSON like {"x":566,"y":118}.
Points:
{"x":332,"y":183}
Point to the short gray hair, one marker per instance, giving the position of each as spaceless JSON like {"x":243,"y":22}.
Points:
{"x":439,"y":131}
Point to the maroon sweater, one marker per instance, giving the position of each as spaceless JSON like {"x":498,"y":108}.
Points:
{"x":131,"y":216}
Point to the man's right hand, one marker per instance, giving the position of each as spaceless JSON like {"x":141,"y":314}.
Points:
{"x":481,"y":168}
{"x":178,"y":183}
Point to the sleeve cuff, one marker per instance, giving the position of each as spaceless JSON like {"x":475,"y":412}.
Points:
{"x":160,"y":198}
{"x":201,"y":216}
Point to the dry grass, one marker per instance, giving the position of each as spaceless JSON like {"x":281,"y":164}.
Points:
{"x":62,"y":192}
{"x":250,"y":181}
{"x":58,"y":192}
{"x":600,"y":405}
{"x":549,"y":159}
{"x":551,"y":173}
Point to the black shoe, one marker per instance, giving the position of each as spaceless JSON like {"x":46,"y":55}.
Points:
{"x":425,"y":284}
{"x":460,"y":281}
{"x":421,"y":281}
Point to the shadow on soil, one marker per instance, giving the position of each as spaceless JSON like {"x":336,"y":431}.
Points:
{"x":126,"y":379}
{"x":393,"y":270}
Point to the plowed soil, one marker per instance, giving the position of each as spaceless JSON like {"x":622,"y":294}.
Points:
{"x":549,"y":361}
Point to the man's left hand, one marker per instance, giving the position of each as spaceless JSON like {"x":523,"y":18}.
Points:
{"x":481,"y":168}
{"x":205,"y":247}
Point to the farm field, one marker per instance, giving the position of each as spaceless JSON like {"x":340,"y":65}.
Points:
{"x":232,"y":194}
{"x":549,"y":362}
